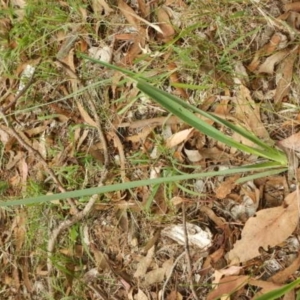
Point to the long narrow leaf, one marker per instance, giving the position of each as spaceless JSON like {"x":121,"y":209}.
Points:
{"x":181,"y":109}
{"x":133,"y":184}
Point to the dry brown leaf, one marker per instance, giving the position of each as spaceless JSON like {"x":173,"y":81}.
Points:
{"x":174,"y":79}
{"x":154,"y":276}
{"x":286,"y":70}
{"x":157,"y":275}
{"x":178,"y":137}
{"x":141,"y":136}
{"x":227,"y":286}
{"x":232,"y":270}
{"x":226,"y":187}
{"x":267,"y":49}
{"x":23,"y":170}
{"x":129,"y":14}
{"x":19,"y":230}
{"x":100,"y":5}
{"x":282,"y":276}
{"x":292,"y":6}
{"x":85,"y":116}
{"x":165,"y":25}
{"x":192,"y":155}
{"x":269,"y":64}
{"x":144,"y":264}
{"x":101,"y":259}
{"x":174,"y":295}
{"x":248,"y":112}
{"x":268,"y":228}
{"x":292,"y":142}
{"x":140,"y":295}
{"x":144,"y":8}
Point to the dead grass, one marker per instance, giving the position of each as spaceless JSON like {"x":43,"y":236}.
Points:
{"x":204,"y":52}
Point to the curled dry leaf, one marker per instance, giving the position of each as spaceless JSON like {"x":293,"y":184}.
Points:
{"x":268,"y":228}
{"x":196,"y":235}
{"x":165,"y":25}
{"x":269,"y":65}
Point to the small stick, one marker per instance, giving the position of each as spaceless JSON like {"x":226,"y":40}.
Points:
{"x":170,"y":275}
{"x":187,"y":252}
{"x":65,"y":225}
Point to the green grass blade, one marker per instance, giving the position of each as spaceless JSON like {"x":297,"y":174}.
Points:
{"x":261,"y":174}
{"x":133,"y":184}
{"x":181,"y":109}
{"x":176,"y":108}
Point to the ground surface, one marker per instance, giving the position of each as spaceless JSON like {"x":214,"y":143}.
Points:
{"x":68,"y":123}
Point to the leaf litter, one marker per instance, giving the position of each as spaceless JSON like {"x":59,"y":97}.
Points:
{"x":241,"y":239}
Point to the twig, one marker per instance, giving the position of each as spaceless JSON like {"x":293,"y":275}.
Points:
{"x":187,"y":252}
{"x":170,"y":275}
{"x":67,"y":224}
{"x":79,"y":216}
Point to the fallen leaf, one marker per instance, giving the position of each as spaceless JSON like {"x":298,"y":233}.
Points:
{"x":85,"y":116}
{"x":100,"y":5}
{"x":248,"y":112}
{"x":165,"y":25}
{"x":292,"y":142}
{"x":282,"y":276}
{"x":192,"y":155}
{"x":144,"y":263}
{"x":175,"y":80}
{"x":144,"y":8}
{"x":19,"y":230}
{"x":174,"y":295}
{"x":129,"y":14}
{"x":140,"y":295}
{"x":286,"y":73}
{"x":268,"y":228}
{"x":178,"y":137}
{"x":227,"y":286}
{"x":269,"y":64}
{"x":292,"y":6}
{"x":232,"y":270}
{"x":196,"y":235}
{"x":101,"y":53}
{"x":154,"y":276}
{"x":226,"y":186}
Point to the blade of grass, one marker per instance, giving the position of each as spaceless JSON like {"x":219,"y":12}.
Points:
{"x":133,"y":184}
{"x":181,"y":109}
